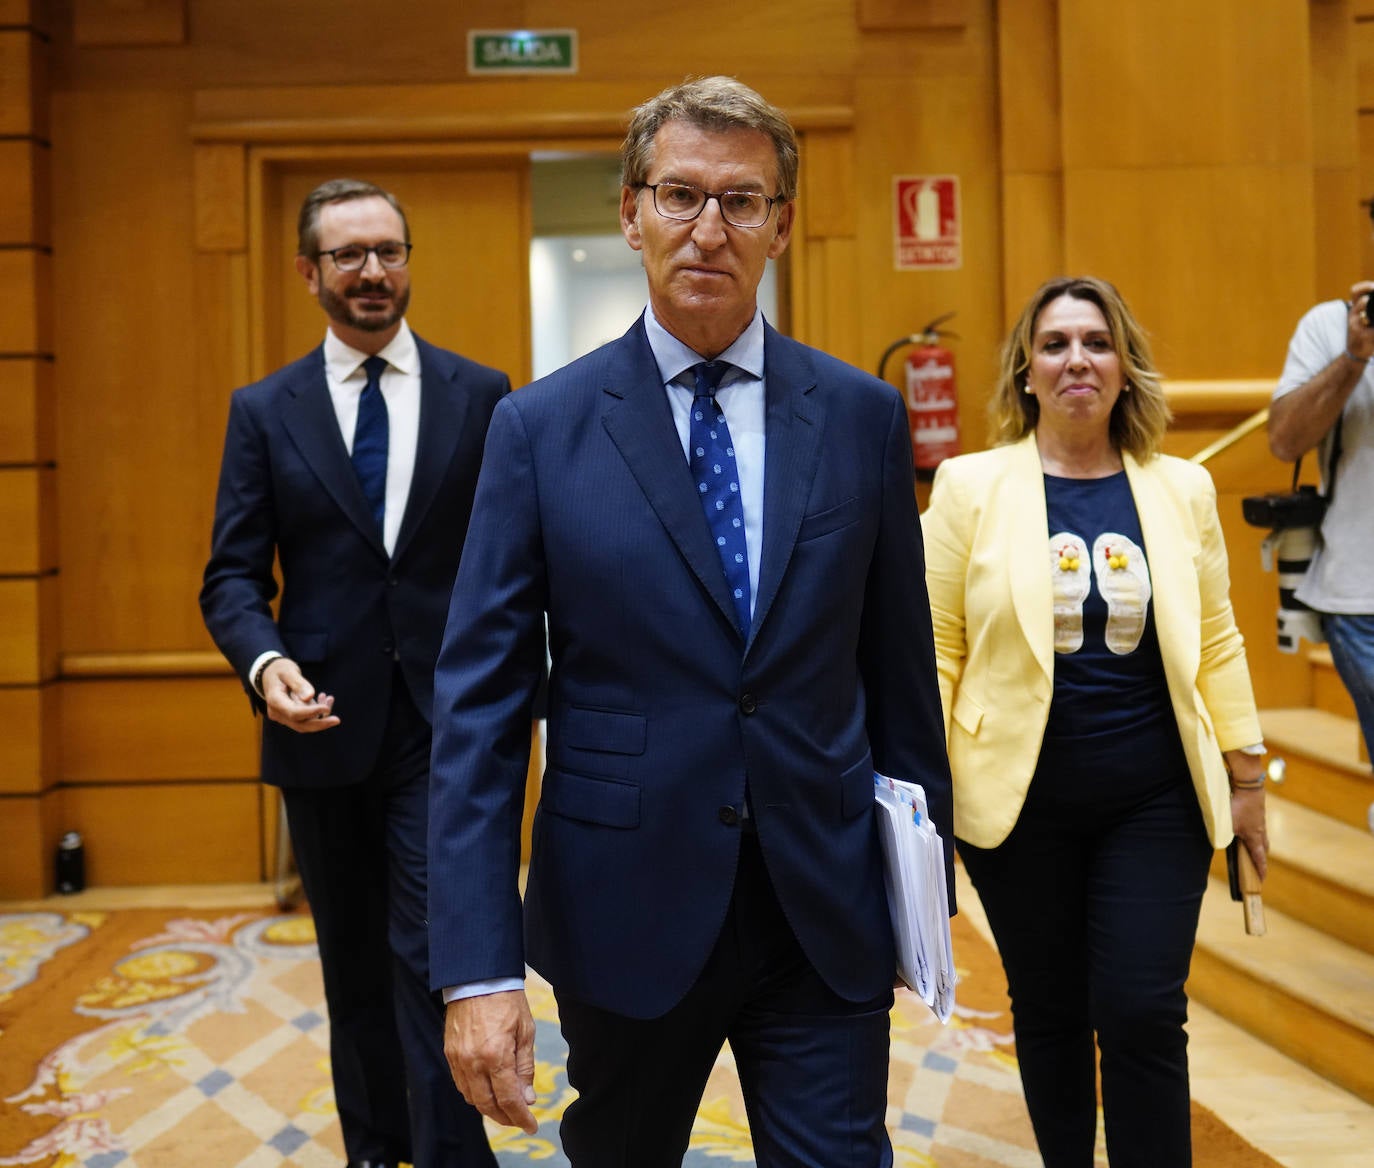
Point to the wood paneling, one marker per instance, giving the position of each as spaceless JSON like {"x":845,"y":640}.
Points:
{"x":221,"y":197}
{"x":27,"y":410}
{"x":27,"y":196}
{"x":129,"y":22}
{"x":28,"y":630}
{"x":28,"y":745}
{"x":26,"y":324}
{"x":167,"y":834}
{"x":1033,"y":237}
{"x":29,"y":827}
{"x":156,"y":729}
{"x":1205,"y":256}
{"x":23,"y":84}
{"x":28,"y":517}
{"x":1152,"y":83}
{"x":827,"y":184}
{"x":883,"y":15}
{"x":1028,"y":85}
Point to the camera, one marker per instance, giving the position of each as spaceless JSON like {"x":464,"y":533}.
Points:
{"x":1368,"y":307}
{"x":1279,"y":512}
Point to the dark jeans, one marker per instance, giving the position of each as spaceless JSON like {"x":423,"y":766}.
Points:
{"x":1351,"y":640}
{"x":1093,"y":900}
{"x":813,"y":1067}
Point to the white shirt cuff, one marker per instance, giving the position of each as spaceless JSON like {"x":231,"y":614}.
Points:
{"x":258,"y":662}
{"x":477,"y":989}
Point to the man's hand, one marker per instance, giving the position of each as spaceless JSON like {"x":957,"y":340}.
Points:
{"x":292,"y":701}
{"x":489,"y":1043}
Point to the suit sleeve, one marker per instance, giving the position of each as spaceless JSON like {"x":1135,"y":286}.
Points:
{"x":490,"y":665}
{"x":896,"y":646}
{"x":1223,"y":672}
{"x":238,"y":587}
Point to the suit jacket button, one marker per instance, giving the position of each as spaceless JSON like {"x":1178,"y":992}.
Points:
{"x":728,"y":816}
{"x":748,"y":704}
{"x":389,"y":649}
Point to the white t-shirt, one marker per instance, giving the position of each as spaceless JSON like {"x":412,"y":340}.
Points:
{"x":1341,"y":576}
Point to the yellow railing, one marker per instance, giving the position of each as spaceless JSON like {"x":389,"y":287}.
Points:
{"x":1232,"y":436}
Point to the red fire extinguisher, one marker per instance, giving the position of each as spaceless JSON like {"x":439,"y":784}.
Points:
{"x":932,"y":396}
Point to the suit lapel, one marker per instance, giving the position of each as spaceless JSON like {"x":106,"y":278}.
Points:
{"x":1169,"y":548}
{"x":1024,"y":531}
{"x":639,"y":421}
{"x":443,"y":412}
{"x":313,"y":426}
{"x":794,"y":423}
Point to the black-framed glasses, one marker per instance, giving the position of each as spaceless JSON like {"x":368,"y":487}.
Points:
{"x":352,"y":257}
{"x":684,"y":202}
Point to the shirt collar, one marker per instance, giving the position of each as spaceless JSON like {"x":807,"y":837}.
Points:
{"x":674,"y":358}
{"x":341,"y":361}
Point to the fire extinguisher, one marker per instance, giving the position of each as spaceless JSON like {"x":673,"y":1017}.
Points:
{"x":932,"y":396}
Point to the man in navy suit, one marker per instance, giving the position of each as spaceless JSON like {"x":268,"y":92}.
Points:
{"x":705,"y":865}
{"x":355,"y":467}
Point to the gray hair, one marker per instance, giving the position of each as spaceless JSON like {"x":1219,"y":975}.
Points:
{"x":709,"y":103}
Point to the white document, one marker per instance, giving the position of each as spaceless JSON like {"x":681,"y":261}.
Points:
{"x":917,"y":895}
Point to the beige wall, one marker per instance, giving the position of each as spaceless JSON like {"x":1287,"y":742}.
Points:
{"x":1206,"y":157}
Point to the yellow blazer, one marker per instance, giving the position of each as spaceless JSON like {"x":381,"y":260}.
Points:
{"x":988,"y":573}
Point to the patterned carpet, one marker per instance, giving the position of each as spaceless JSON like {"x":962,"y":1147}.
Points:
{"x":142,"y":1039}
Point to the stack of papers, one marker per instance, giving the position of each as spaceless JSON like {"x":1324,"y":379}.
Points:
{"x":917,"y":895}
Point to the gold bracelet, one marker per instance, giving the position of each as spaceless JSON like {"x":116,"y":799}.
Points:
{"x":1248,"y":785}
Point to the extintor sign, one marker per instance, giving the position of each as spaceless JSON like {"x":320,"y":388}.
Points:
{"x":926,"y":222}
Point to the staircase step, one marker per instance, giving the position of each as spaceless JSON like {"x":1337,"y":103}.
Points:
{"x":1321,"y":872}
{"x":1324,"y":769}
{"x":1328,"y":690}
{"x":1304,"y":993}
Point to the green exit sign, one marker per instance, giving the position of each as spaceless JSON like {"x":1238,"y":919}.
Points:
{"x":499,"y":51}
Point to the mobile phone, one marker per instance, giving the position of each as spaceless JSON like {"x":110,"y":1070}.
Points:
{"x":1233,"y":866}
{"x":1369,"y":308}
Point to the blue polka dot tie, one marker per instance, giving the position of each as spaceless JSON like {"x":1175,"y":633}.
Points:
{"x":370,"y":440}
{"x":711,"y":455}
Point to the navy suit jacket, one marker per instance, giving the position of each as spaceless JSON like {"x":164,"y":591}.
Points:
{"x":348,"y":613}
{"x":660,"y":712}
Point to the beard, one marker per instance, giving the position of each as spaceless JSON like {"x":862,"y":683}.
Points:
{"x":343,"y":311}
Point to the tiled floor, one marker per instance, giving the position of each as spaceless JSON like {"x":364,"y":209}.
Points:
{"x":1298,"y":1118}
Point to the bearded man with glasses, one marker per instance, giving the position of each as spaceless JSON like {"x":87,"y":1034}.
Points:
{"x":354,"y":467}
{"x":719,"y":525}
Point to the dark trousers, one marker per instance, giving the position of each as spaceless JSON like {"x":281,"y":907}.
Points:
{"x":813,"y":1067}
{"x":361,"y":854}
{"x":1093,"y":900}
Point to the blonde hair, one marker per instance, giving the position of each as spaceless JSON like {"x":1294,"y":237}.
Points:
{"x":1139,"y":418}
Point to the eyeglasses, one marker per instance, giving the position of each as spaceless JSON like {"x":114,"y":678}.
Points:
{"x":738,"y":208}
{"x":353,"y":257}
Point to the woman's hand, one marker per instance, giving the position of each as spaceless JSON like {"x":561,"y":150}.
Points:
{"x":1247,"y":805}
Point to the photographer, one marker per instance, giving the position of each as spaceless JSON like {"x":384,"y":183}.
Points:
{"x":1327,"y":378}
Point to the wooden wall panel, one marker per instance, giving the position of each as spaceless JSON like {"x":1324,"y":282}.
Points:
{"x":129,"y":22}
{"x":879,"y":15}
{"x":1033,"y":248}
{"x":29,"y":827}
{"x":1148,"y":83}
{"x":28,"y":517}
{"x":28,"y":630}
{"x":23,"y":84}
{"x":221,"y":197}
{"x":134,"y":529}
{"x":28,"y":410}
{"x":26,"y":323}
{"x":1342,"y":226}
{"x":28,"y":745}
{"x":136,"y":731}
{"x":1205,"y":256}
{"x":167,"y":833}
{"x":25,"y":207}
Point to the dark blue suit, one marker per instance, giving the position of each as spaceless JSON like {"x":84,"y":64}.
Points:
{"x":661,"y":715}
{"x":364,"y":627}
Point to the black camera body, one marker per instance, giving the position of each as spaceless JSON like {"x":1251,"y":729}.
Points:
{"x":1279,"y":512}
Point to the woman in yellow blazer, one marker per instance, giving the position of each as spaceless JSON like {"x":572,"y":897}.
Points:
{"x":1101,"y":726}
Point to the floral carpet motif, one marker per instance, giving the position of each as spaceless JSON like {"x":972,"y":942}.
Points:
{"x":162,"y":1040}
